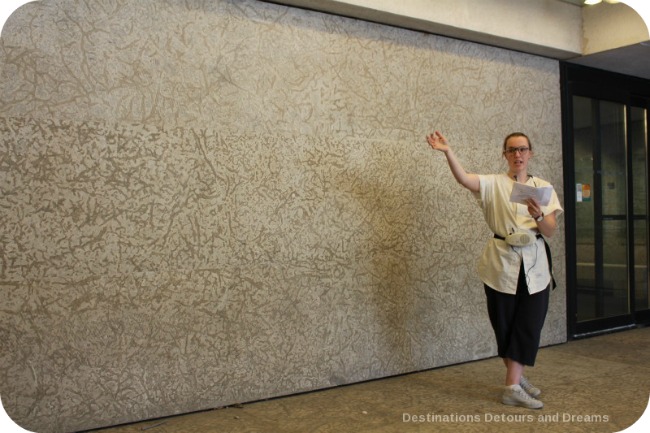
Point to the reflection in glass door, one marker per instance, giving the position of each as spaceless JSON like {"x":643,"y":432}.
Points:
{"x":606,"y":119}
{"x":610,"y":158}
{"x":638,"y":147}
{"x":602,"y":277}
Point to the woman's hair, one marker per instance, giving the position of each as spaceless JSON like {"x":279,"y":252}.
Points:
{"x":517,"y":134}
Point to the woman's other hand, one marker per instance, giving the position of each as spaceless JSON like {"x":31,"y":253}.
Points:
{"x":437,"y":141}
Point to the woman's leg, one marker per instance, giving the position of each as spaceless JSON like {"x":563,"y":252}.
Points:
{"x":514,"y":371}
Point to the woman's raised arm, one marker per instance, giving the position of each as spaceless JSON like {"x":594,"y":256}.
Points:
{"x":469,"y":180}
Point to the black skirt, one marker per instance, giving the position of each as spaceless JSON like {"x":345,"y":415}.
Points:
{"x":517,"y":320}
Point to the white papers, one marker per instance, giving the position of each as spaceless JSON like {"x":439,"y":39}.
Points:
{"x":521,"y":193}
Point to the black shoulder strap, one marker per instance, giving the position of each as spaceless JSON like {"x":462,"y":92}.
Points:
{"x":550,"y":263}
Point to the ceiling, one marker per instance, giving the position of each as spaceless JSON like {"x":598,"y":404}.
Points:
{"x":630,"y":60}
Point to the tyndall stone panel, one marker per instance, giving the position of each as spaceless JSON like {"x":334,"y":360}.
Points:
{"x":210,"y":202}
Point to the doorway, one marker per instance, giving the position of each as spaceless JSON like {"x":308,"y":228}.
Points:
{"x":606,"y":199}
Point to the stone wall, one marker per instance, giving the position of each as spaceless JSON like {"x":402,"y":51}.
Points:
{"x":207,"y":202}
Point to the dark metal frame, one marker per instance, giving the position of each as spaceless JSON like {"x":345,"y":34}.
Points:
{"x":592,"y":83}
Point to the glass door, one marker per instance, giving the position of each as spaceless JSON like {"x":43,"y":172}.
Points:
{"x":639,"y":149}
{"x":607,"y":199}
{"x":601,"y":217}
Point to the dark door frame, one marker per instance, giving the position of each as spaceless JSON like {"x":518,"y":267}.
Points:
{"x":631,"y":91}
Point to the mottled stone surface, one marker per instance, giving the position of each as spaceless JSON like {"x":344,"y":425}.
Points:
{"x":460,"y":398}
{"x":210,"y":202}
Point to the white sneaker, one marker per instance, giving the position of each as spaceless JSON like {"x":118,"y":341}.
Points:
{"x":531,"y":389}
{"x":514,"y":395}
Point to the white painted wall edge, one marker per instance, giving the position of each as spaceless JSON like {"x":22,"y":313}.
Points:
{"x":547,"y":28}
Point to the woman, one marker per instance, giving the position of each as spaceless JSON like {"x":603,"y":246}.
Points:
{"x":517,"y":279}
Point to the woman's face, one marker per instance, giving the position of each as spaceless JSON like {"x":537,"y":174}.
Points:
{"x":517,"y":153}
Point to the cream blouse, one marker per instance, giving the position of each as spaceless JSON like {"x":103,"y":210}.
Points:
{"x":500,"y":263}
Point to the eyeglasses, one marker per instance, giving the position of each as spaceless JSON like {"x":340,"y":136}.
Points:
{"x":513,"y":150}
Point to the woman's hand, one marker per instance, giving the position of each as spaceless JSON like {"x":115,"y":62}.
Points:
{"x":438,"y":142}
{"x":534,"y":209}
{"x":548,"y":224}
